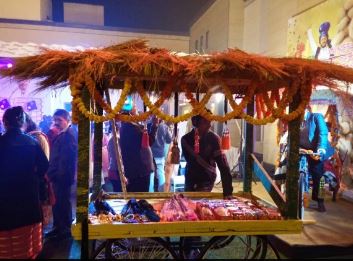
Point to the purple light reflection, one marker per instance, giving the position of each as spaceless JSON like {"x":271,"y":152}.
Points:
{"x":6,"y":63}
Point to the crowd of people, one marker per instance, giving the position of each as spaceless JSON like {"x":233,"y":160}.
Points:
{"x":31,"y":163}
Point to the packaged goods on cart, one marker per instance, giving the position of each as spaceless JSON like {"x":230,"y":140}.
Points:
{"x":104,"y":218}
{"x":178,"y":208}
{"x":139,"y":212}
{"x":235,"y":209}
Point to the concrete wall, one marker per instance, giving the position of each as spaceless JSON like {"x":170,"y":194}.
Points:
{"x":236,"y":24}
{"x":36,"y":10}
{"x":216,"y":21}
{"x":24,"y":33}
{"x":46,"y":10}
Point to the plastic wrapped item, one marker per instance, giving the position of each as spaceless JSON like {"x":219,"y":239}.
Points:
{"x":236,"y":209}
{"x":137,"y":212}
{"x":204,"y":211}
{"x":178,"y":208}
{"x":222,"y":213}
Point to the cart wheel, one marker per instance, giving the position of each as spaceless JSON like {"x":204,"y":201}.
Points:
{"x":239,"y":247}
{"x":139,"y":248}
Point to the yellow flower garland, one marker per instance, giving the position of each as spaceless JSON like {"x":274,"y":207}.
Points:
{"x":78,"y":81}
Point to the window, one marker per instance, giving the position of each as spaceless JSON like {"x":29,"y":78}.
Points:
{"x":201,"y":43}
{"x":258,"y":133}
{"x":207,"y":38}
{"x":84,"y":14}
{"x":196,"y":46}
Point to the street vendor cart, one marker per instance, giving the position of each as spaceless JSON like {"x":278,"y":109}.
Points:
{"x":267,"y":86}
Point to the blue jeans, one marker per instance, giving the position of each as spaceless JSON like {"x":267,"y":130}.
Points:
{"x":160,"y":162}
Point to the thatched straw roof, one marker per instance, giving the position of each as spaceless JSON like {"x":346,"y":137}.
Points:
{"x":136,"y":60}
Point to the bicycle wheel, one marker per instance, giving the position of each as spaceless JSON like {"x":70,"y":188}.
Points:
{"x":138,"y":248}
{"x":225,"y":247}
{"x":240,"y":247}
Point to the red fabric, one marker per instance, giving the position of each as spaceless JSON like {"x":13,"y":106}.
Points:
{"x":197,"y":142}
{"x":225,"y":140}
{"x":21,"y":243}
{"x":145,"y":139}
{"x":258,"y":107}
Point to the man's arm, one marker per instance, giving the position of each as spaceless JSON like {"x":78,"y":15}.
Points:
{"x":69,"y":157}
{"x":152,"y":131}
{"x":223,"y":166}
{"x":312,"y":42}
{"x":323,"y":133}
{"x":42,"y":162}
{"x":185,"y":152}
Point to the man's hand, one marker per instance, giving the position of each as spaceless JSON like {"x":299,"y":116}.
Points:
{"x":125,"y":180}
{"x":305,"y":151}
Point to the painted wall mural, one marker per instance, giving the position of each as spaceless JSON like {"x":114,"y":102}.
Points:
{"x":325,"y":32}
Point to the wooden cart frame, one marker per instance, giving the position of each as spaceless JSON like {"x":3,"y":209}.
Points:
{"x":134,"y":67}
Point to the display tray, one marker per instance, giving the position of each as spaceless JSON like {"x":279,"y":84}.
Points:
{"x":185,"y":228}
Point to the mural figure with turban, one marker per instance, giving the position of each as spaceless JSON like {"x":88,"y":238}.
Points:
{"x":324,"y":50}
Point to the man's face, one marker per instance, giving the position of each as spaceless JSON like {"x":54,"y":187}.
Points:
{"x":60,"y":122}
{"x":204,"y":125}
{"x":323,"y":41}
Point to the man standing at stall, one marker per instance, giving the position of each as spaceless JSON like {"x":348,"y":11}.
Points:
{"x":202,"y":150}
{"x":62,"y":173}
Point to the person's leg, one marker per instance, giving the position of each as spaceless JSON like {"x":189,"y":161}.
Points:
{"x":66,"y":208}
{"x":56,"y":212}
{"x":62,"y":212}
{"x":116,"y":185}
{"x":316,"y":169}
{"x":152,"y":178}
{"x":160,"y":162}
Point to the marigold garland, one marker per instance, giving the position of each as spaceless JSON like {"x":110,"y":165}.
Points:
{"x":271,"y":113}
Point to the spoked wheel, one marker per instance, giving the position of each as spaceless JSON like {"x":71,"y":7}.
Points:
{"x":239,"y":247}
{"x":139,"y":248}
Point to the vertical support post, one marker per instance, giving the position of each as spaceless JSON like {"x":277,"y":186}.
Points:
{"x":293,"y":162}
{"x":119,"y":162}
{"x":97,"y":153}
{"x":225,"y":107}
{"x":176,"y":112}
{"x":248,"y":149}
{"x":82,"y":175}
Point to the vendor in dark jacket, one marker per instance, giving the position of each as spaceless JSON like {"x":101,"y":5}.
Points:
{"x":22,"y":168}
{"x":62,"y":173}
{"x":201,"y":159}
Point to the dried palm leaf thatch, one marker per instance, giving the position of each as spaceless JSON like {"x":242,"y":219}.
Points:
{"x":321,"y":73}
{"x":135,"y":59}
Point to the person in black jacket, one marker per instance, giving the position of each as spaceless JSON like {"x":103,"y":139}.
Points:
{"x":201,"y":159}
{"x":22,"y":168}
{"x":62,"y":173}
{"x":137,"y":166}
